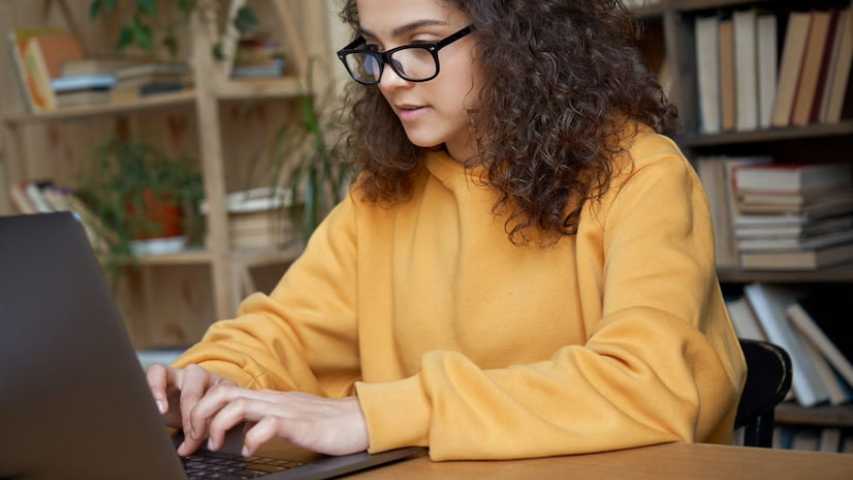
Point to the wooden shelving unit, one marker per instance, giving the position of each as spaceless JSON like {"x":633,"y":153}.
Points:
{"x":227,"y":266}
{"x":835,"y":416}
{"x":677,"y":18}
{"x":841,"y":273}
{"x":844,"y":128}
{"x":233,"y":90}
{"x":153,"y":102}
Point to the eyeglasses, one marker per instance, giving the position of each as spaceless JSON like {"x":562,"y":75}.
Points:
{"x":417,"y":62}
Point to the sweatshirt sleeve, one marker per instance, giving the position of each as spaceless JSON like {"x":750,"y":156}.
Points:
{"x":646,"y":375}
{"x":303,"y":335}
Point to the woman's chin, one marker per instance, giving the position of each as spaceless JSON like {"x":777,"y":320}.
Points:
{"x":425,"y":141}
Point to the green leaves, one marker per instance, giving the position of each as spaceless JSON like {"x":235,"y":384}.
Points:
{"x":246,"y":20}
{"x":186,"y":6}
{"x":146,"y":7}
{"x":99,"y":6}
{"x":140,"y":32}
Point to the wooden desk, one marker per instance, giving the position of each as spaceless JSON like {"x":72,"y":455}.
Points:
{"x":672,"y":461}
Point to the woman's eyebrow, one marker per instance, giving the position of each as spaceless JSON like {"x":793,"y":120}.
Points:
{"x":399,"y":31}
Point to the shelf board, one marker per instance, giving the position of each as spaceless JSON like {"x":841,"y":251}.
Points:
{"x":757,"y":136}
{"x":151,"y":102}
{"x":267,"y":256}
{"x":688,"y":5}
{"x":649,"y":11}
{"x":287,"y":87}
{"x":841,"y":273}
{"x":232,"y":90}
{"x":187,"y":257}
{"x":252,"y":257}
{"x":834,"y":416}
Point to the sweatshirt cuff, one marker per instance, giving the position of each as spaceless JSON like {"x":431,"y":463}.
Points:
{"x":397,"y":413}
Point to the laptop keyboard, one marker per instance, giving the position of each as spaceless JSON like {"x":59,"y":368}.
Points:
{"x":204,"y":465}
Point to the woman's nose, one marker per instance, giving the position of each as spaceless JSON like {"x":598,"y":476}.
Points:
{"x":391,"y":80}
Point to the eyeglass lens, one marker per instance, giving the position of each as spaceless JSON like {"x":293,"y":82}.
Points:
{"x":409,"y":63}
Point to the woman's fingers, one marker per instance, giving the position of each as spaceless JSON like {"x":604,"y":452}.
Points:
{"x":216,"y":397}
{"x":157,"y":376}
{"x":264,"y":431}
{"x":235,"y":412}
{"x":193,"y":383}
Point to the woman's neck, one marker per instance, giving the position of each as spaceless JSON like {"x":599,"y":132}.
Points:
{"x":461,"y":148}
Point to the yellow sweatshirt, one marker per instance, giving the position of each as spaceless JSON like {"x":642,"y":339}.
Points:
{"x":455,"y":339}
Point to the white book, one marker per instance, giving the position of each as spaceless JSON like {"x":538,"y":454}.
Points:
{"x":808,"y":328}
{"x":797,"y":231}
{"x":767,"y":68}
{"x":708,"y":71}
{"x":731,"y":164}
{"x":744,"y":321}
{"x":37,"y":199}
{"x":769,"y":302}
{"x":821,"y":241}
{"x":838,"y":394}
{"x":746,"y":69}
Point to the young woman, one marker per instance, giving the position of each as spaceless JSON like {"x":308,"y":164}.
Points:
{"x":524,"y":266}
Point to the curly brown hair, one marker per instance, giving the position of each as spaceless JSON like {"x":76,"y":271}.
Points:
{"x":567,"y":70}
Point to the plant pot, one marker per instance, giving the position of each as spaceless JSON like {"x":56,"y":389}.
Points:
{"x":162,"y":217}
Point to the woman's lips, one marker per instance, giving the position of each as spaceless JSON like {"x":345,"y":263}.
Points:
{"x":408,"y":115}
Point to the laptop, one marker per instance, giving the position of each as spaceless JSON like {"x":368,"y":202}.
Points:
{"x":74,"y":402}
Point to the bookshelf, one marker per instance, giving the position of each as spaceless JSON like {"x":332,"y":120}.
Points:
{"x":837,"y":416}
{"x":206,"y":106}
{"x":843,"y":129}
{"x":674,"y":21}
{"x":166,"y":100}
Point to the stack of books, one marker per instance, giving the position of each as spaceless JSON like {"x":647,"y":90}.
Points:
{"x":812,"y":327}
{"x":259,"y":218}
{"x":258,"y":56}
{"x":53,"y":73}
{"x":745,"y":85}
{"x":771,"y":216}
{"x":44,"y":196}
{"x":137,"y":81}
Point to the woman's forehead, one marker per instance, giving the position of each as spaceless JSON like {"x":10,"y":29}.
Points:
{"x":382,"y":17}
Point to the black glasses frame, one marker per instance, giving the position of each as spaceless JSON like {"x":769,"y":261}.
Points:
{"x":385,"y":57}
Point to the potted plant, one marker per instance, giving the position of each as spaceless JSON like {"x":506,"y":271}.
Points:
{"x":309,"y":165}
{"x":140,"y":194}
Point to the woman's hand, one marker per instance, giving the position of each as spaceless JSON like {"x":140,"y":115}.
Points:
{"x":331,"y":427}
{"x":177,"y":391}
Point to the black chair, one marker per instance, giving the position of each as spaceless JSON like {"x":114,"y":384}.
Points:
{"x":768,"y":379}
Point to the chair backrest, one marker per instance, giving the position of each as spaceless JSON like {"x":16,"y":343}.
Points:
{"x":768,"y":379}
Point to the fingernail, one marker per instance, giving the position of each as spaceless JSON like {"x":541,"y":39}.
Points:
{"x":162,"y":406}
{"x":246,"y":452}
{"x":210,"y":444}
